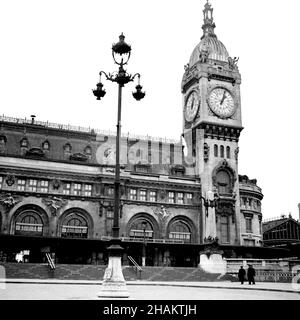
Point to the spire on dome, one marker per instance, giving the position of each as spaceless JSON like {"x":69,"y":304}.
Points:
{"x":208,"y":25}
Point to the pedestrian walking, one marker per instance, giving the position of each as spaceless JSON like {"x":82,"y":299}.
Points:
{"x":242,"y":274}
{"x":251,"y":274}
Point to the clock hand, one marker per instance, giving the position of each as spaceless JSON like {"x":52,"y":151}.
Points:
{"x":223,"y":98}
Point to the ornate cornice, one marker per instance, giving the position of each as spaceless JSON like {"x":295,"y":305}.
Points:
{"x":222,"y":132}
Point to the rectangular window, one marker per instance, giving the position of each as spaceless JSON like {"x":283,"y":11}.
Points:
{"x":132,"y":194}
{"x":224,"y":230}
{"x":180,"y":197}
{"x":88,"y":190}
{"x":171,"y":196}
{"x":44,"y":186}
{"x":32,"y":185}
{"x":152,"y":196}
{"x":21,"y":185}
{"x":1,"y":181}
{"x":67,"y":188}
{"x":189,"y":197}
{"x":77,"y":189}
{"x":143,"y":195}
{"x":110,"y":191}
{"x":248,"y":225}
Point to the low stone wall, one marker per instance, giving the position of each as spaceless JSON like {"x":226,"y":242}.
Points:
{"x":284,"y":265}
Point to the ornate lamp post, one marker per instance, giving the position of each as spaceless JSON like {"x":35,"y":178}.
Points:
{"x":114,"y":284}
{"x":144,"y":225}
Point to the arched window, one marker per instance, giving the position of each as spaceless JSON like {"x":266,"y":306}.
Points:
{"x":74,"y":226}
{"x":216,"y":150}
{"x":24,"y":143}
{"x":223,"y":182}
{"x":67,"y":148}
{"x":46,"y":145}
{"x":179,"y":230}
{"x":29,"y":222}
{"x":228,"y":152}
{"x":141,"y":228}
{"x":222,"y":151}
{"x":88,"y":150}
{"x":224,"y":229}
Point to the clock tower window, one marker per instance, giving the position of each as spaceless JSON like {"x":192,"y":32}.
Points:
{"x":228,"y":152}
{"x":216,"y":150}
{"x":222,"y":151}
{"x":223,"y":182}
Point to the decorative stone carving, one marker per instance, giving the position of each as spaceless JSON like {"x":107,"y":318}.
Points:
{"x":10,"y":180}
{"x":162,"y":213}
{"x":162,"y":194}
{"x":56,"y":184}
{"x":233,"y":62}
{"x":186,"y":67}
{"x":9,"y":201}
{"x":206,"y":152}
{"x":55,"y":204}
{"x":236,"y":153}
{"x":203,"y":56}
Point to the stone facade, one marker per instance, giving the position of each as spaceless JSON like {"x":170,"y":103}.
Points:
{"x":57,"y":181}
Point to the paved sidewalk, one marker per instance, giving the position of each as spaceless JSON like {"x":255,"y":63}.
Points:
{"x":263,"y":286}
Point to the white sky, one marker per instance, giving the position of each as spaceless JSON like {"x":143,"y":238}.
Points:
{"x":52,"y":52}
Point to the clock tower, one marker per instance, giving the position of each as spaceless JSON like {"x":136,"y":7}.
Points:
{"x":211,"y":127}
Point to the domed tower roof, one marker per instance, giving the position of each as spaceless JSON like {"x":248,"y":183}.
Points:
{"x":209,"y":43}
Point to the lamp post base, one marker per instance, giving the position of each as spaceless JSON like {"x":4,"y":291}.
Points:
{"x":114,"y":285}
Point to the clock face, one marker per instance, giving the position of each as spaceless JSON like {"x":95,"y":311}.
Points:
{"x":221,"y":102}
{"x":191,"y":106}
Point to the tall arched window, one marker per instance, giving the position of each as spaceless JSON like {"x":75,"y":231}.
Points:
{"x":141,"y":228}
{"x":74,"y":226}
{"x":216,"y":150}
{"x":223,"y":182}
{"x":29,"y":222}
{"x":179,"y":230}
{"x":224,"y":229}
{"x":228,"y":152}
{"x":222,"y":151}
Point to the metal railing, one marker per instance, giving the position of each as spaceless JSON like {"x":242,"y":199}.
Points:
{"x":129,"y":239}
{"x":138,"y":269}
{"x":69,"y":127}
{"x":50,"y":261}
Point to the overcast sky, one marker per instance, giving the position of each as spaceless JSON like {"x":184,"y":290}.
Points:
{"x":52,"y":52}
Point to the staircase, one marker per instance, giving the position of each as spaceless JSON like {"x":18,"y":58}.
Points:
{"x":96,"y":272}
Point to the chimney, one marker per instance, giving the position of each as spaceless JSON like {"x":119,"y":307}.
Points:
{"x":32,"y":118}
{"x":299,"y":211}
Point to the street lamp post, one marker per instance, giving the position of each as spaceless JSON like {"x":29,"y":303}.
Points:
{"x":114,"y":284}
{"x":144,"y":224}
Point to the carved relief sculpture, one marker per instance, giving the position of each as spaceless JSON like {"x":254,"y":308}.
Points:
{"x":10,"y":180}
{"x":9,"y":201}
{"x":206,"y":151}
{"x":162,"y":213}
{"x":236,"y":153}
{"x":54,"y":204}
{"x":233,"y":62}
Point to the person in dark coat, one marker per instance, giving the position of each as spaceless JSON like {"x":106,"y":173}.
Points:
{"x":251,"y":274}
{"x":242,"y":274}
